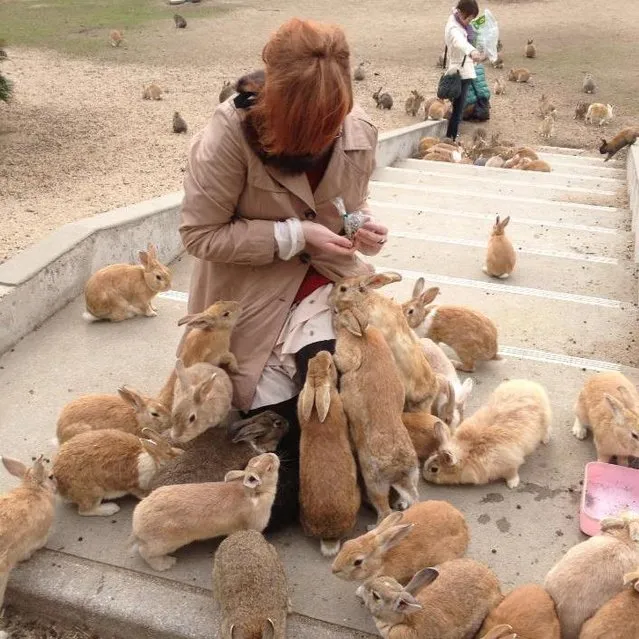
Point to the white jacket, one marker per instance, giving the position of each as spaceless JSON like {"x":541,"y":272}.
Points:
{"x":458,"y":47}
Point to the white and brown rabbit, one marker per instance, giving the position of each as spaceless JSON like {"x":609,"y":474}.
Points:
{"x":608,"y":405}
{"x":619,"y":617}
{"x":122,"y":291}
{"x":493,"y":442}
{"x":201,"y":400}
{"x":373,"y":398}
{"x":329,"y":492}
{"x":250,"y":588}
{"x":174,"y":516}
{"x":600,"y":113}
{"x":428,"y":533}
{"x":419,"y":380}
{"x":129,"y":411}
{"x":26,"y":516}
{"x":519,"y":75}
{"x":468,"y":332}
{"x":107,"y":464}
{"x":529,"y":611}
{"x":207,"y":339}
{"x":500,"y":255}
{"x":592,"y":572}
{"x":450,"y":600}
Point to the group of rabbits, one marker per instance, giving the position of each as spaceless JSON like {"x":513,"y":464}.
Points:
{"x":387,"y":406}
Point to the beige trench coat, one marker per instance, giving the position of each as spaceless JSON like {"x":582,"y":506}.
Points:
{"x":230,"y":205}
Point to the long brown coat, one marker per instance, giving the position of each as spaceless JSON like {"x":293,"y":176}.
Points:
{"x":230,"y":205}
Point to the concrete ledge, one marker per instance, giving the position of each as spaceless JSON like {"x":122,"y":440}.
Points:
{"x":123,"y":604}
{"x":45,"y":277}
{"x":402,"y":143}
{"x":633,"y":192}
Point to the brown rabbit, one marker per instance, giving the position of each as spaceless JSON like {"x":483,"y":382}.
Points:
{"x":413,"y":103}
{"x":107,"y":464}
{"x":122,"y":291}
{"x":547,"y":129}
{"x":26,"y":516}
{"x":152,"y":92}
{"x":530,"y":50}
{"x":383,"y":100}
{"x":499,"y":87}
{"x":502,"y":631}
{"x":529,"y":611}
{"x":428,"y":533}
{"x":373,"y":397}
{"x":421,"y":430}
{"x":526,"y":164}
{"x":468,"y":332}
{"x":608,"y":405}
{"x":208,"y":339}
{"x":425,"y":144}
{"x":546,"y":107}
{"x":619,"y":617}
{"x":500,"y":256}
{"x":128,"y":411}
{"x":625,"y":137}
{"x":519,"y":75}
{"x":581,"y":109}
{"x":360,"y":73}
{"x":329,"y":493}
{"x":179,"y":123}
{"x":116,"y":38}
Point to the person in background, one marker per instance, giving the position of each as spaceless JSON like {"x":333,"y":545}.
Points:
{"x":461,"y":54}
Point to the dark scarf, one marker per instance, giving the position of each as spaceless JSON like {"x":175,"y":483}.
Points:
{"x":248,"y":88}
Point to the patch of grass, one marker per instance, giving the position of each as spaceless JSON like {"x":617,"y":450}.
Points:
{"x":81,"y":27}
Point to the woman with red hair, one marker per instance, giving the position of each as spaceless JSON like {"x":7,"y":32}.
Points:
{"x":269,"y":183}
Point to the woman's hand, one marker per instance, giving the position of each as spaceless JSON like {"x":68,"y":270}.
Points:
{"x":476,"y":56}
{"x":370,"y":238}
{"x":325,"y":241}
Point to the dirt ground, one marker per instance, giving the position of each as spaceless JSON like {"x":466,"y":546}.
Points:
{"x":78,"y":139}
{"x":19,"y":626}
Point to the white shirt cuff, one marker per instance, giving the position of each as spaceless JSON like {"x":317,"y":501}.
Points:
{"x":289,"y":237}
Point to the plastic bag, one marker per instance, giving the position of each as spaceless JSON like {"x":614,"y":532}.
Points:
{"x":487,"y":34}
{"x":353,"y":221}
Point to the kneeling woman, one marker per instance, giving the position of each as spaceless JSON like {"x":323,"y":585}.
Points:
{"x":258,"y":215}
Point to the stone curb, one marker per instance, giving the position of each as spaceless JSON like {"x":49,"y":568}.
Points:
{"x":45,"y":277}
{"x":120,"y":603}
{"x":633,"y":192}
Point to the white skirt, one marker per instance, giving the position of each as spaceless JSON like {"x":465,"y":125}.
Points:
{"x":307,"y":322}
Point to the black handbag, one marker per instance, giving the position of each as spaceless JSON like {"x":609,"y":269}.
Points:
{"x":450,"y":84}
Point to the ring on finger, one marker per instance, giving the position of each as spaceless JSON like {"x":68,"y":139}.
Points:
{"x":382,"y":241}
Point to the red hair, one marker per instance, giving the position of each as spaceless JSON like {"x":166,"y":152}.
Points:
{"x":307,"y":93}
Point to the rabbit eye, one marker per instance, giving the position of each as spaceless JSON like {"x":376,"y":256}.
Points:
{"x":434,"y":469}
{"x":226,"y":314}
{"x":342,"y":289}
{"x":153,"y":414}
{"x":358,"y":562}
{"x":277,"y":422}
{"x":158,"y":278}
{"x":634,"y":435}
{"x":411,"y":311}
{"x":376,"y":597}
{"x":191,"y":418}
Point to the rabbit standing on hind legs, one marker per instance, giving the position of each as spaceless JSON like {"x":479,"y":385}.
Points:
{"x":500,"y":256}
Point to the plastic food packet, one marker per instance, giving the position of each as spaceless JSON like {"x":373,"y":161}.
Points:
{"x":353,"y":221}
{"x":487,"y":34}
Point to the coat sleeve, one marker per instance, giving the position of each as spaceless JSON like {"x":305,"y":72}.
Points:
{"x":214,"y":180}
{"x":460,"y":41}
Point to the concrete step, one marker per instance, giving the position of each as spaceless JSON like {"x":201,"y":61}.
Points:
{"x":582,"y":166}
{"x":503,"y":175}
{"x":481,"y":201}
{"x":580,"y":156}
{"x":492,"y":182}
{"x":532,"y":234}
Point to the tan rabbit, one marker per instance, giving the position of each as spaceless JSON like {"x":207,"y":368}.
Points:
{"x":449,"y":601}
{"x":625,"y":137}
{"x":152,"y":92}
{"x":208,"y":339}
{"x":468,"y":332}
{"x":493,"y":443}
{"x":329,"y":493}
{"x":107,"y":464}
{"x":428,"y":533}
{"x":500,"y":255}
{"x":250,"y":587}
{"x":116,"y":38}
{"x":526,"y":164}
{"x":421,"y":430}
{"x":526,"y":152}
{"x":591,"y":573}
{"x":26,"y":516}
{"x":546,"y":107}
{"x":499,"y":87}
{"x":619,"y":617}
{"x":601,"y":113}
{"x":547,"y":129}
{"x":122,"y":291}
{"x":502,"y":631}
{"x":425,"y":144}
{"x":413,"y":103}
{"x":588,"y":85}
{"x":418,"y":379}
{"x":427,"y":104}
{"x":529,"y":611}
{"x":452,"y":152}
{"x":201,"y":400}
{"x":128,"y":411}
{"x":519,"y":75}
{"x":174,"y":516}
{"x":608,"y":405}
{"x":373,"y":398}
{"x":437,"y":110}
{"x":496,"y":162}
{"x":530,"y":51}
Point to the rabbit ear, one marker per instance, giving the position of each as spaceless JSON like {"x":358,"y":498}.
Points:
{"x":233,"y":475}
{"x":202,"y":391}
{"x":426,"y":298}
{"x":149,"y":446}
{"x":144,"y":259}
{"x":269,"y":629}
{"x":155,"y":437}
{"x":351,"y":323}
{"x":626,"y":397}
{"x":504,"y":224}
{"x":442,"y":434}
{"x":464,"y":392}
{"x":391,"y":520}
{"x":247,"y":433}
{"x":306,"y":402}
{"x":180,"y":371}
{"x":381,"y":279}
{"x":132,"y":397}
{"x":406,"y":604}
{"x":252,"y":480}
{"x":617,"y":409}
{"x":152,"y":251}
{"x":424,"y":577}
{"x":390,"y":538}
{"x":323,"y":401}
{"x":497,"y":220}
{"x":38,"y":469}
{"x":15,"y":467}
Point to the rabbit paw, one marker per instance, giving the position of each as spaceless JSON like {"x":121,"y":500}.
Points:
{"x":101,"y":510}
{"x":513,"y":482}
{"x":161,"y":563}
{"x":579,"y":430}
{"x":150,"y":312}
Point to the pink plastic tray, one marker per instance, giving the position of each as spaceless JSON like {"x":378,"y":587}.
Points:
{"x":608,"y":490}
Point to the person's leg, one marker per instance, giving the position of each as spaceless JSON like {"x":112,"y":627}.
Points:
{"x":458,"y":112}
